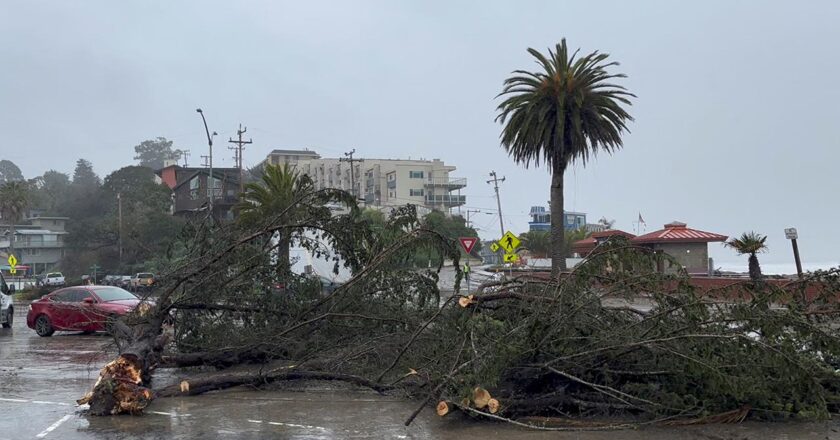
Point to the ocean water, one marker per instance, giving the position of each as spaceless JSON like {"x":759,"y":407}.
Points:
{"x":775,"y":268}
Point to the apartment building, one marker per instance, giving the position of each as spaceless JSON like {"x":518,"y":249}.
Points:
{"x":38,"y":246}
{"x":380,"y":182}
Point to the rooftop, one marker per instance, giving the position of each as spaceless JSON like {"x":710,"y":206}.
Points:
{"x":678,"y":232}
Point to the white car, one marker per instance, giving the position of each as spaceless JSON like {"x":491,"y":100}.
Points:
{"x":7,"y":308}
{"x":54,"y":279}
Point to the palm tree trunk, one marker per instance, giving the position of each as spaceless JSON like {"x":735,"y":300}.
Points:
{"x":283,"y":253}
{"x":558,"y":241}
{"x":754,"y":268}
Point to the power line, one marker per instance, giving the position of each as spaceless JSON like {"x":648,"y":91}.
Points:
{"x":237,"y":153}
{"x":495,"y":180}
{"x":349,"y":158}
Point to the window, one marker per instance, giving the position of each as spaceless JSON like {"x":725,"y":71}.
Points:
{"x":570,"y":219}
{"x":33,"y":251}
{"x":392,"y":176}
{"x":113,"y":294}
{"x":415,"y":192}
{"x":415,"y":174}
{"x":194,"y":185}
{"x":214,"y":188}
{"x":392,"y":193}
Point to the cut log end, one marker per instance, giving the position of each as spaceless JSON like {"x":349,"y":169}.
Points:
{"x":185,"y":386}
{"x":464,"y":301}
{"x":442,"y":408}
{"x":493,"y":406}
{"x":481,"y":397}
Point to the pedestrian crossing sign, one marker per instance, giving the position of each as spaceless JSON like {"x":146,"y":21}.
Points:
{"x":495,"y":247}
{"x":509,"y":242}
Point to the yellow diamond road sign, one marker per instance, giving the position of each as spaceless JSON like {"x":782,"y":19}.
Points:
{"x":12,"y":263}
{"x":495,"y":247}
{"x":511,"y":258}
{"x":509,"y":242}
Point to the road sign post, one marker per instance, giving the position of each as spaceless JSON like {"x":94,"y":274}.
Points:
{"x":508,"y":243}
{"x":12,"y":264}
{"x":791,"y":234}
{"x":93,"y":269}
{"x":467,"y":244}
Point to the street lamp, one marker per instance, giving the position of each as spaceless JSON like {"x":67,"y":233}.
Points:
{"x":209,"y":144}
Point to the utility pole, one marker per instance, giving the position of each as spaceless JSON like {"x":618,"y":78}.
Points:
{"x":237,"y":156}
{"x":469,"y":224}
{"x":495,"y":181}
{"x":211,"y":193}
{"x":119,"y":216}
{"x":349,"y":158}
{"x":185,"y":154}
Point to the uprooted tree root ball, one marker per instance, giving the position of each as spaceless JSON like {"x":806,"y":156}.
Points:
{"x":612,"y":338}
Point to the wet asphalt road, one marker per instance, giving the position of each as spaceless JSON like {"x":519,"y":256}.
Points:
{"x":40,"y":378}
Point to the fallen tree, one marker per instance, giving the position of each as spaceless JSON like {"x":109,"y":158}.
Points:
{"x":611,"y":338}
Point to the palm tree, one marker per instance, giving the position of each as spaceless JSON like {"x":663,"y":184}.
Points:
{"x":567,"y":111}
{"x":14,"y":201}
{"x":537,"y":242}
{"x":750,"y":243}
{"x":573,"y":236}
{"x":273,"y":197}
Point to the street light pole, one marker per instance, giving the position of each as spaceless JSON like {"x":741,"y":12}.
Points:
{"x":119,"y":215}
{"x":212,"y":189}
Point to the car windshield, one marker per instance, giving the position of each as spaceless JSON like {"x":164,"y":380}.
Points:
{"x":113,"y":294}
{"x":53,"y":275}
{"x":144,"y":275}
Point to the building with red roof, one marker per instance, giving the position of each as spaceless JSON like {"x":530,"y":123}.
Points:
{"x":587,"y":245}
{"x":690,"y":247}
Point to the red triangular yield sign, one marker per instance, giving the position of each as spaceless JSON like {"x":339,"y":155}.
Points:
{"x":468,"y":243}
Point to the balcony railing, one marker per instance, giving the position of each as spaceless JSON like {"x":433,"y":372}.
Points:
{"x":451,"y":183}
{"x":446,"y":199}
{"x":38,"y":244}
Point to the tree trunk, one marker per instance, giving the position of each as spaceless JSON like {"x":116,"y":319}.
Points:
{"x":558,"y":241}
{"x":754,"y":268}
{"x":283,"y":253}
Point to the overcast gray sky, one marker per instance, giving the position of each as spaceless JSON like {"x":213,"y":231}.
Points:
{"x":735,"y":125}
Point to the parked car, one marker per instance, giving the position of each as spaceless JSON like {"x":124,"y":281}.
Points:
{"x":142,"y":281}
{"x":84,"y":308}
{"x":7,"y":307}
{"x":124,"y":282}
{"x":39,"y":280}
{"x":54,"y":279}
{"x":110,"y":280}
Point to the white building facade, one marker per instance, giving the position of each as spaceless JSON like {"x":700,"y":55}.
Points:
{"x":380,"y":183}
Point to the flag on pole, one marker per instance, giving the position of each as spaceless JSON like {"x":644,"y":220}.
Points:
{"x":641,"y":220}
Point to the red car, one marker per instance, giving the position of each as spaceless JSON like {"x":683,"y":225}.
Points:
{"x":84,"y":308}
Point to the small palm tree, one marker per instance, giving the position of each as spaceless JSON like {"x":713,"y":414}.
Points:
{"x":573,"y":236}
{"x":750,"y":243}
{"x":568,"y":110}
{"x":274,"y":197}
{"x":537,"y":242}
{"x":14,"y":201}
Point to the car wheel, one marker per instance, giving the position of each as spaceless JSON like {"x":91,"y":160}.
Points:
{"x":43,"y":326}
{"x":10,"y":318}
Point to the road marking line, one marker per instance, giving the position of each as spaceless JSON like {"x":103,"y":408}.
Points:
{"x":54,"y":426}
{"x":295,"y":425}
{"x":14,"y":400}
{"x":255,"y":421}
{"x":44,"y":402}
